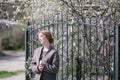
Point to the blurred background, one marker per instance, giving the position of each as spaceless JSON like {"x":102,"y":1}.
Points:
{"x":12,"y":54}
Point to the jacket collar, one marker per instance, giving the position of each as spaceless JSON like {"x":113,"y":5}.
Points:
{"x":41,"y":51}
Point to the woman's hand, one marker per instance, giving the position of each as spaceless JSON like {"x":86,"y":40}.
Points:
{"x":41,"y":67}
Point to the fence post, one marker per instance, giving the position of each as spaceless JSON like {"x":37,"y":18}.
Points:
{"x":117,"y":54}
{"x":78,"y":68}
{"x":26,"y":44}
{"x":26,"y":50}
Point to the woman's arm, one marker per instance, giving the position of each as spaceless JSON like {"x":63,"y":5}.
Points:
{"x":52,"y":68}
{"x":34,"y":65}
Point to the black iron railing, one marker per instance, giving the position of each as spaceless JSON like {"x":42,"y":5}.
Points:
{"x":87,"y":48}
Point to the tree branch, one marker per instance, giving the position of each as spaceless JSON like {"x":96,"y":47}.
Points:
{"x":6,"y":21}
{"x":72,"y":7}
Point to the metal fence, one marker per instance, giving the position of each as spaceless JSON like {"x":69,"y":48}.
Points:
{"x":88,"y":46}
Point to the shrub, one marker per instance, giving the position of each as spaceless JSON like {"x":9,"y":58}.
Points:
{"x":13,"y":39}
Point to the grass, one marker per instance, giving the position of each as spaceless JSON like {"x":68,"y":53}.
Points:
{"x":4,"y":74}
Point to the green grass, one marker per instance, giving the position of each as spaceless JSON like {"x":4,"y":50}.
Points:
{"x":4,"y":74}
{"x":20,"y":49}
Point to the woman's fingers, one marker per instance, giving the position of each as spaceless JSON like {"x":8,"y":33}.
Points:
{"x":41,"y":68}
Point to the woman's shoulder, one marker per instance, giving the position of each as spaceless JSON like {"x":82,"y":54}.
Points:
{"x":53,"y":48}
{"x":37,"y":49}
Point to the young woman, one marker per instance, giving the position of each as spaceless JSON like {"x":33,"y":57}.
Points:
{"x":45,"y":61}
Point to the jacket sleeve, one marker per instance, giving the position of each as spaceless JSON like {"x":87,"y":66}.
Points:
{"x":33,"y":64}
{"x":54,"y":67}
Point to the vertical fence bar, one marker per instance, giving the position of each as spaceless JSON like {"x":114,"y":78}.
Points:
{"x":53,"y":21}
{"x":117,"y":54}
{"x":90,"y":50}
{"x":96,"y":44}
{"x":78,"y":68}
{"x":32,"y":40}
{"x":26,"y":48}
{"x":41,"y":23}
{"x":62,"y":44}
{"x":110,"y":73}
{"x":103,"y":64}
{"x":57,"y":34}
{"x":57,"y":29}
{"x":78,"y":75}
{"x":72,"y":49}
{"x":26,"y":44}
{"x":109,"y":55}
{"x":48,"y":22}
{"x":67,"y":49}
{"x":84,"y":54}
{"x":44,"y":21}
{"x":79,"y":58}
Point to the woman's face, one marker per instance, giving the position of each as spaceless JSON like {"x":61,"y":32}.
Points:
{"x":42,"y":38}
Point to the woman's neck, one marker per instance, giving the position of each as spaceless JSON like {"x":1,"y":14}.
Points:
{"x":46,"y":47}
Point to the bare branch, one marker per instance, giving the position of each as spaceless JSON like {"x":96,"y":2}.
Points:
{"x":5,"y":21}
{"x":72,"y":7}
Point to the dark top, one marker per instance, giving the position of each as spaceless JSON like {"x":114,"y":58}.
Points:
{"x":41,"y":56}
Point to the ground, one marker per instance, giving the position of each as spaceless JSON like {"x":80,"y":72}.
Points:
{"x":13,"y":61}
